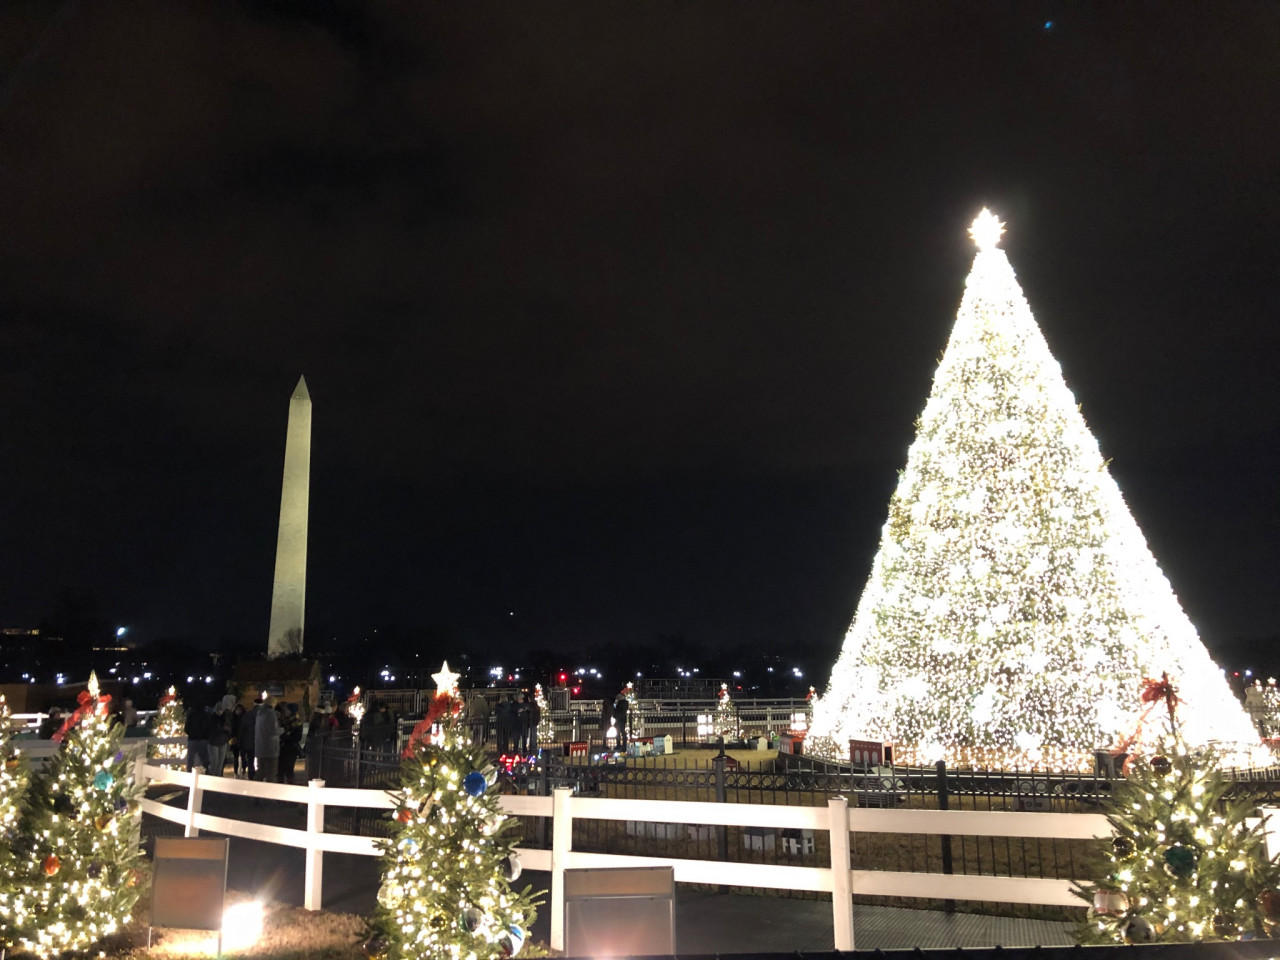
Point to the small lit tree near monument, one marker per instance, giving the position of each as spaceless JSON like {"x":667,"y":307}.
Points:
{"x":1013,"y":603}
{"x":79,"y":844}
{"x":170,"y":723}
{"x":448,"y":869}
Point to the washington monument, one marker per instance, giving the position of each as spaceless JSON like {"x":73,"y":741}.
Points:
{"x":289,"y":592}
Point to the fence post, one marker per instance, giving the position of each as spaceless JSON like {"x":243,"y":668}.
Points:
{"x":841,"y":873}
{"x":314,"y":879}
{"x":193,"y":803}
{"x":561,"y":844}
{"x":722,"y":832}
{"x":944,"y":803}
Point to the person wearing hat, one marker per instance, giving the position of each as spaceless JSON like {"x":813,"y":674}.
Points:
{"x":320,"y":728}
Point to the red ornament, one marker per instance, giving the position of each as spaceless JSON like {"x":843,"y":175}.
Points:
{"x":51,"y":864}
{"x":405,"y":815}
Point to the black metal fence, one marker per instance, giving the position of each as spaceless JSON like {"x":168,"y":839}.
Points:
{"x":787,"y":780}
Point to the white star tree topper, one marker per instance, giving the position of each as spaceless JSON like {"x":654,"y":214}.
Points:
{"x":987,"y":230}
{"x":446,"y":680}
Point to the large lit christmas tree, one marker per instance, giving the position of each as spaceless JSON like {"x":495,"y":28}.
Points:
{"x":448,"y":870}
{"x":1013,"y":606}
{"x":80,"y":844}
{"x":13,"y":785}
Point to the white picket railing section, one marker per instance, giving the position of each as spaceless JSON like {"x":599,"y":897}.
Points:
{"x":563,"y":808}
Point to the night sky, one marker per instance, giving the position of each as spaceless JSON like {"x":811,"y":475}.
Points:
{"x":616,"y":316}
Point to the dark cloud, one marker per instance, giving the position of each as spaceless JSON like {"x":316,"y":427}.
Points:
{"x":573,"y":285}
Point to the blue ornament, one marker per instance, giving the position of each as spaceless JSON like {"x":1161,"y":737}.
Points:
{"x":103,"y":780}
{"x":475,"y":783}
{"x":119,"y":757}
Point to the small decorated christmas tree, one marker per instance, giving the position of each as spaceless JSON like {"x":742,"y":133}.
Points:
{"x":1185,"y":863}
{"x":13,"y":786}
{"x":79,"y":843}
{"x":725,"y":722}
{"x":546,"y":726}
{"x":171,"y":721}
{"x":448,"y":870}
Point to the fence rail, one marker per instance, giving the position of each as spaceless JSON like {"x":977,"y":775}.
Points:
{"x":564,"y":809}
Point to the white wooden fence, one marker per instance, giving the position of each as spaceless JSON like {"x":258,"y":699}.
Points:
{"x":563,"y":808}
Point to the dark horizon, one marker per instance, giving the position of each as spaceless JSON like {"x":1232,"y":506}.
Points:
{"x":616,"y":323}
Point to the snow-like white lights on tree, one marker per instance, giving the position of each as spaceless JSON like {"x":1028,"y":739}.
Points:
{"x":1013,"y":608}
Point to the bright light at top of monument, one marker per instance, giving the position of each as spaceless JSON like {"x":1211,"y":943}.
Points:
{"x":986,"y":230}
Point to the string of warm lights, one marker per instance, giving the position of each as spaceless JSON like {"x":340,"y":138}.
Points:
{"x":1013,"y":607}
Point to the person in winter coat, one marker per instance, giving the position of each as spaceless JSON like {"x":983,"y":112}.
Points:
{"x":320,"y":728}
{"x":197,"y":731}
{"x":248,"y":733}
{"x":530,"y":717}
{"x":219,"y":735}
{"x":290,"y":741}
{"x":235,"y":745}
{"x":478,"y":717}
{"x":507,"y":716}
{"x":266,"y":742}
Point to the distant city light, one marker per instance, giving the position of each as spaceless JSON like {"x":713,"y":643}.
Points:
{"x":191,"y":679}
{"x":738,"y":674}
{"x":332,"y":678}
{"x":121,"y":631}
{"x":146,"y":675}
{"x":497,"y":672}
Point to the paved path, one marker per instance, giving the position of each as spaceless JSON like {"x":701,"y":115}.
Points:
{"x":706,"y":922}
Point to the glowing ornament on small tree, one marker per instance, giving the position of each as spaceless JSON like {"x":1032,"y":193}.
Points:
{"x":1180,"y":861}
{"x":513,"y":940}
{"x":1139,"y":930}
{"x":474,"y":783}
{"x":52,"y":864}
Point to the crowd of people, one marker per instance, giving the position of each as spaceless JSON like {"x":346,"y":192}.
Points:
{"x":515,"y":722}
{"x":265,"y":740}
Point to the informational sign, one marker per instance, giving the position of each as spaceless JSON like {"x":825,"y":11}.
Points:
{"x":189,"y":889}
{"x":620,"y":912}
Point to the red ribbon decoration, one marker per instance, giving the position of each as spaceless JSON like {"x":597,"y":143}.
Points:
{"x":441,"y":704}
{"x":1154,"y":692}
{"x":86,"y":706}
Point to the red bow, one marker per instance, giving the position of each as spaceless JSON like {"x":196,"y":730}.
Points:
{"x":1153,"y":693}
{"x":441,"y":704}
{"x":86,"y":706}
